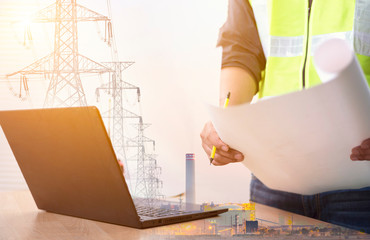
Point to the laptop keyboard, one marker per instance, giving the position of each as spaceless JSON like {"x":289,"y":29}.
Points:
{"x":148,"y":212}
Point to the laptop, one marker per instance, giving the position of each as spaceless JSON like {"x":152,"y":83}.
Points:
{"x":70,"y":167}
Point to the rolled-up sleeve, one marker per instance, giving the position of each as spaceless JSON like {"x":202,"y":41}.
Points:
{"x":239,"y":39}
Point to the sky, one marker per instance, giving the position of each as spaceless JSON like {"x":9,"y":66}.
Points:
{"x":177,"y":66}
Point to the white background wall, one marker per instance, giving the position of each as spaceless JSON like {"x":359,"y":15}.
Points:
{"x":177,"y":67}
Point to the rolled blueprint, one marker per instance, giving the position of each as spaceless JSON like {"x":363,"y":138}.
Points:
{"x":301,"y":142}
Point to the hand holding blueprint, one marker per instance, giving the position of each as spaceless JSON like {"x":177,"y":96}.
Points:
{"x":301,"y":142}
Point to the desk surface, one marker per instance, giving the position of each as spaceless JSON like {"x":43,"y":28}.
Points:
{"x":20,"y":219}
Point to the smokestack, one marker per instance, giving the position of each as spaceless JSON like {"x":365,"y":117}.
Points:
{"x":190,"y":182}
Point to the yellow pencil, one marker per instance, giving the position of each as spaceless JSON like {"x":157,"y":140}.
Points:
{"x":214,"y":148}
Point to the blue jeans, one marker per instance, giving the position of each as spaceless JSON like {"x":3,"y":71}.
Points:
{"x":347,"y":208}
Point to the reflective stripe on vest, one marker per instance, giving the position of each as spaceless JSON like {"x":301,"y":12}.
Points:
{"x":362,"y":35}
{"x":362,"y":27}
{"x":286,"y":46}
{"x":284,"y":31}
{"x":316,"y":40}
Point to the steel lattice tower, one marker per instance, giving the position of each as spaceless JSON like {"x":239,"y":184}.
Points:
{"x":114,"y":87}
{"x":65,"y":64}
{"x":143,"y":188}
{"x":152,"y":179}
{"x":147,"y":181}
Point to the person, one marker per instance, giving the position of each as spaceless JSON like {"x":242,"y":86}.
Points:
{"x":277,"y":61}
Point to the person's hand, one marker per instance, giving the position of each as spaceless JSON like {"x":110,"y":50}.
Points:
{"x":362,"y":152}
{"x":121,"y":165}
{"x":224,"y":154}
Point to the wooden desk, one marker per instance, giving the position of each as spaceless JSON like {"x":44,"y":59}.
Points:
{"x":20,"y":219}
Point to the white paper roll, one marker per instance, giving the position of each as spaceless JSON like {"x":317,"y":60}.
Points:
{"x":301,"y":142}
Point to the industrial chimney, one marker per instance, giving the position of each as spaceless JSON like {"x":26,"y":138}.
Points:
{"x":190,"y":182}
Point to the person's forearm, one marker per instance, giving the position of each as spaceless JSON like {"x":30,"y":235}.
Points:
{"x":239,"y":83}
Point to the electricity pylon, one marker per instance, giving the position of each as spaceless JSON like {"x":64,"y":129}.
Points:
{"x":144,"y":189}
{"x":152,"y":179}
{"x":65,"y":64}
{"x":147,"y":180}
{"x":114,"y":88}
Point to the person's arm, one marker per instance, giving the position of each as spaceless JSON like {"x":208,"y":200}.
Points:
{"x":239,"y":83}
{"x":242,"y":62}
{"x":242,"y":88}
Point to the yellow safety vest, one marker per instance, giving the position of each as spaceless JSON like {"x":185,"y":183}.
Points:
{"x":290,"y":33}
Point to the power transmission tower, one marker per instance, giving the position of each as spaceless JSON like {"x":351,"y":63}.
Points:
{"x":114,"y":87}
{"x":146,"y":185}
{"x":153,"y":172}
{"x":147,"y":181}
{"x":65,"y":64}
